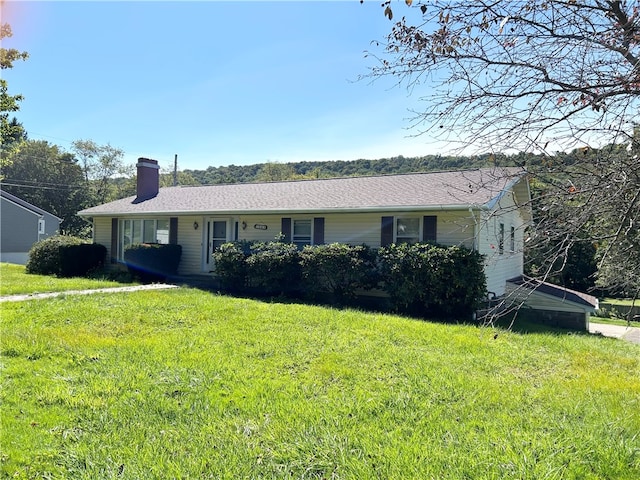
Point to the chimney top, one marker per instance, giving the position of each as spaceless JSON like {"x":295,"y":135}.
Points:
{"x":147,"y":162}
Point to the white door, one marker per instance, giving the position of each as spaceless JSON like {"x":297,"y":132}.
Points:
{"x":216,"y":232}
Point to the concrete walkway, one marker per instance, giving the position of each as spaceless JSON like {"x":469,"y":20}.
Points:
{"x":630,"y":334}
{"x":134,"y":288}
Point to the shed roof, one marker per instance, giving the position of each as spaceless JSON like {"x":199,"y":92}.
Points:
{"x":436,"y":190}
{"x":562,"y":293}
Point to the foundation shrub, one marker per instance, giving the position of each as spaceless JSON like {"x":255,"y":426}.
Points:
{"x":338,"y":269}
{"x":273,"y":268}
{"x":431,"y":280}
{"x":151,"y":262}
{"x":81,"y":260}
{"x":230,"y":265}
{"x":44,"y":256}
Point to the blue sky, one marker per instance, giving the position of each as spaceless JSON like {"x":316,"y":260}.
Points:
{"x":217,"y":83}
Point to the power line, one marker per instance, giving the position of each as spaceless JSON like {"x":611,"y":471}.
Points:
{"x":38,"y":182}
{"x":42,"y":187}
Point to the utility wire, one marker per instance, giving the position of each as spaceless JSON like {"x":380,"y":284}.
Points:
{"x":40,"y":187}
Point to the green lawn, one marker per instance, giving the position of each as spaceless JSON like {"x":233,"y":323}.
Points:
{"x":614,"y":321}
{"x":14,"y":281}
{"x":627,"y":302}
{"x":186,"y":384}
{"x":619,"y":313}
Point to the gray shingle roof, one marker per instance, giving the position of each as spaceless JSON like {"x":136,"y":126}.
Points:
{"x":417,"y":191}
{"x":562,"y":293}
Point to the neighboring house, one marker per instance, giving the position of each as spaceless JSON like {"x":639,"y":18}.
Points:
{"x":484,"y":209}
{"x":22,"y":225}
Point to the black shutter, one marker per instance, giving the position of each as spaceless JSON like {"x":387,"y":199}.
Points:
{"x":114,"y":240}
{"x":318,"y":230}
{"x":386,"y":231}
{"x":173,"y":230}
{"x":285,"y":229}
{"x":430,"y":229}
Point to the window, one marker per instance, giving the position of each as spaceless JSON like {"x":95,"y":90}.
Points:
{"x":219,"y":231}
{"x":302,"y":232}
{"x":142,"y":231}
{"x":501,"y":239}
{"x":41,"y":229}
{"x":407,"y":230}
{"x":512,"y":245}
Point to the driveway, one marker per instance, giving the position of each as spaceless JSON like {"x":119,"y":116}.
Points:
{"x":630,"y":334}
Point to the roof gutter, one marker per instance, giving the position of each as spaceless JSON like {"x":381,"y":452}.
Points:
{"x":280,"y":211}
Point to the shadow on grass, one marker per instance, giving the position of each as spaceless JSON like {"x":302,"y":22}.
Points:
{"x":372,"y":304}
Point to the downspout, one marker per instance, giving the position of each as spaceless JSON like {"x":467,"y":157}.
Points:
{"x":475,"y":229}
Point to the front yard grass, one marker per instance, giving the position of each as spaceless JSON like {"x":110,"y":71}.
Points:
{"x":615,"y":321}
{"x":617,"y":308}
{"x":14,"y":281}
{"x":187,"y":384}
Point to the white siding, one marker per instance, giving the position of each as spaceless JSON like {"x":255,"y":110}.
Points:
{"x":453,"y":228}
{"x":102,"y":234}
{"x":191,"y":240}
{"x":251,"y":233}
{"x":500,"y":267}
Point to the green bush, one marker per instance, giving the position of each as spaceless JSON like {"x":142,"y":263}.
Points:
{"x":432,"y":280}
{"x":44,"y":256}
{"x":80,"y":260}
{"x":273,"y":268}
{"x":151,"y":262}
{"x":338,"y":269}
{"x":420,"y":279}
{"x":230,"y":265}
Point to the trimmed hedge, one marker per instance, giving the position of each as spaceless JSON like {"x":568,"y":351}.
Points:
{"x":80,"y":260}
{"x":44,"y":256}
{"x":151,"y":262}
{"x":432,"y":280}
{"x":273,"y":268}
{"x":338,"y":269}
{"x":420,"y":279}
{"x":230,"y":265}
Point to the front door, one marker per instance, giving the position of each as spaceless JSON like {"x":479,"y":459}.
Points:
{"x":216,"y":232}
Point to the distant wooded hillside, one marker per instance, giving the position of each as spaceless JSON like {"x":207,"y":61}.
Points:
{"x":341,"y":168}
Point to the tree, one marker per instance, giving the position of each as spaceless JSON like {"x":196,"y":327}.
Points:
{"x":536,"y":76}
{"x":45,"y":176}
{"x":276,"y":172}
{"x":100,"y":165}
{"x":184,"y":178}
{"x":11,"y":132}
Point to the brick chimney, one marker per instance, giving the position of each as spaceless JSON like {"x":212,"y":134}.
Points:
{"x":148,"y":181}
